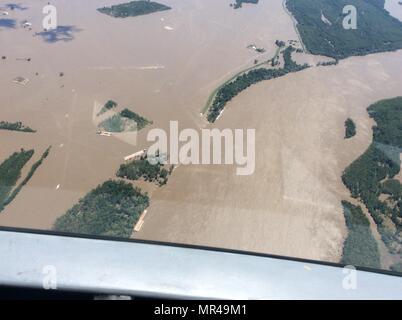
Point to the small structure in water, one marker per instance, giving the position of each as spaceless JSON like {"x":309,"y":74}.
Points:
{"x":136,"y":156}
{"x":21,"y":80}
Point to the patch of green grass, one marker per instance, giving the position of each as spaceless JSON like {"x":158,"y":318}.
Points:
{"x":117,"y":123}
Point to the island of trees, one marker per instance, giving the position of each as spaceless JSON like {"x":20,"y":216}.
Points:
{"x":231,"y":89}
{"x":360,"y":247}
{"x":15,"y":126}
{"x":10,"y":173}
{"x":133,"y":8}
{"x":108,"y":106}
{"x":123,"y":121}
{"x":377,"y":30}
{"x":371,"y":178}
{"x":238,"y":3}
{"x":350,"y":128}
{"x":143,"y":169}
{"x":111,"y":209}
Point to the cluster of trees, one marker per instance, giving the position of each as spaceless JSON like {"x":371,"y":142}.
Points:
{"x":238,"y":3}
{"x":141,"y":121}
{"x":377,"y":30}
{"x":111,"y":209}
{"x":133,"y":8}
{"x":280,"y":43}
{"x":125,"y":120}
{"x":350,"y":128}
{"x":108,"y":106}
{"x":10,"y":172}
{"x":327,"y":63}
{"x":370,"y":175}
{"x":242,"y":82}
{"x":15,"y":126}
{"x":28,"y":177}
{"x":143,"y":169}
{"x":360,"y":247}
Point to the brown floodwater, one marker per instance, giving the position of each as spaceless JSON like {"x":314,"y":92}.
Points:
{"x":164,"y":66}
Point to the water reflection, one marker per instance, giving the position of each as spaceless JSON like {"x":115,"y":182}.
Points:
{"x":62,"y":33}
{"x":8,"y":23}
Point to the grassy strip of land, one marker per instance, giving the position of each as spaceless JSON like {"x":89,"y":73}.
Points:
{"x":143,"y":169}
{"x":370,"y":177}
{"x":15,"y":126}
{"x":111,"y":209}
{"x":360,"y":247}
{"x":231,"y":89}
{"x":350,"y":128}
{"x":28,"y":177}
{"x":133,"y":9}
{"x":377,"y":30}
{"x":212,"y":96}
{"x":10,"y":172}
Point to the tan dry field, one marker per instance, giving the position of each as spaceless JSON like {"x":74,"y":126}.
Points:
{"x":164,"y":66}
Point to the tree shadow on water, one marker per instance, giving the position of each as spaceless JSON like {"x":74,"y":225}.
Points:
{"x":62,"y":33}
{"x":16,"y":6}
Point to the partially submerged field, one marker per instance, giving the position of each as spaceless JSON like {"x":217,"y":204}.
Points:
{"x":290,"y":206}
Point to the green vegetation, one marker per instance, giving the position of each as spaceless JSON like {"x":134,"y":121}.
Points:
{"x":377,"y":30}
{"x":238,"y":3}
{"x":124,"y":121}
{"x":133,"y":9}
{"x":232,"y":88}
{"x":371,"y":175}
{"x":350,"y":128}
{"x":280,"y":43}
{"x":10,"y":172}
{"x":143,"y":169}
{"x":141,"y":122}
{"x":327,"y":63}
{"x":397,"y":266}
{"x":117,"y":123}
{"x":28,"y":177}
{"x":111,"y":209}
{"x":108,"y":106}
{"x":15,"y":126}
{"x":360,"y":247}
